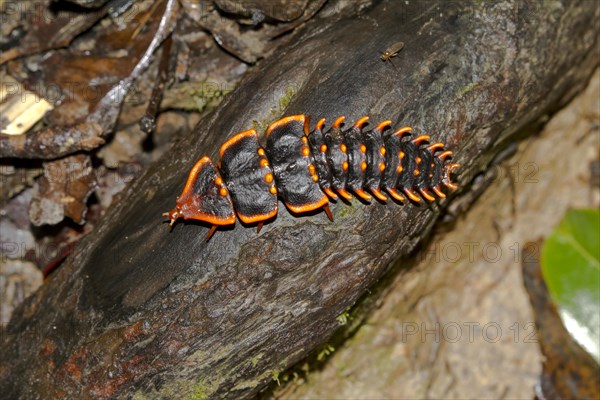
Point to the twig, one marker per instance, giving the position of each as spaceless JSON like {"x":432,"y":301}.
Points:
{"x":50,"y":143}
{"x":148,"y":121}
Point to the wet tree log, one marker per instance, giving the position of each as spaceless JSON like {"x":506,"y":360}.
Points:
{"x":139,"y":309}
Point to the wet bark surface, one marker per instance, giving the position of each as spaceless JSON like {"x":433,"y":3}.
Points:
{"x":139,"y":309}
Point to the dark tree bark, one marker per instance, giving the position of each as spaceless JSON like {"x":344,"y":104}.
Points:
{"x":139,"y":309}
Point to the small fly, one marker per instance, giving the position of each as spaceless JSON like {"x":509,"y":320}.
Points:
{"x":392,"y":51}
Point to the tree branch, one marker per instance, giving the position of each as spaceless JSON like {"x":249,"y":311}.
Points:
{"x":141,"y":309}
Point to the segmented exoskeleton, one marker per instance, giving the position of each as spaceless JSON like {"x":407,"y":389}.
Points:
{"x":307,"y":169}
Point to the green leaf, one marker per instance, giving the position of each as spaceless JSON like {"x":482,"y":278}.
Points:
{"x":571,"y":269}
